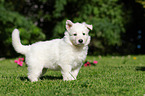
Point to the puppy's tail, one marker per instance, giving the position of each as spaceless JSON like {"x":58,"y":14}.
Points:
{"x":17,"y":43}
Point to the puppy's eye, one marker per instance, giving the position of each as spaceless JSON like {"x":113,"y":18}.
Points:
{"x":75,"y":34}
{"x":84,"y":34}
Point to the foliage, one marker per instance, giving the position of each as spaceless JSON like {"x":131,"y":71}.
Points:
{"x":112,"y":76}
{"x":134,"y":35}
{"x":106,"y":16}
{"x":9,"y":20}
{"x":141,"y":2}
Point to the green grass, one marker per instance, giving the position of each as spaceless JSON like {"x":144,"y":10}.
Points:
{"x":119,"y":76}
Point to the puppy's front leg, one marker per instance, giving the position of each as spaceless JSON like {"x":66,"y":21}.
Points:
{"x":66,"y":73}
{"x":75,"y":72}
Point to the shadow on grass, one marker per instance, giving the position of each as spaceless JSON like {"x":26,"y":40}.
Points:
{"x":24,"y":78}
{"x":43,"y":78}
{"x":51,"y":77}
{"x":140,"y":68}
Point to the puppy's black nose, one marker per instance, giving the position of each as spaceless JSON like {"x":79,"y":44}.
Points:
{"x":80,"y":41}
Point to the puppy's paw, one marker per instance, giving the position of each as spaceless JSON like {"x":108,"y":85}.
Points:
{"x":68,"y":78}
{"x":32,"y":79}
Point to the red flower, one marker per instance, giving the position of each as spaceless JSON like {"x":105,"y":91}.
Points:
{"x":95,"y":62}
{"x":19,"y":61}
{"x":87,"y":64}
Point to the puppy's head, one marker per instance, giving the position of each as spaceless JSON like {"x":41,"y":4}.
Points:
{"x":78,"y":33}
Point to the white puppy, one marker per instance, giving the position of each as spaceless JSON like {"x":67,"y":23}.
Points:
{"x":66,"y":54}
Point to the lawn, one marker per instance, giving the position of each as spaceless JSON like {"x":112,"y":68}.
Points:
{"x":112,"y":76}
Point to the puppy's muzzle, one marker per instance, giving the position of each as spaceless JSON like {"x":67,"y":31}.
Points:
{"x":80,"y":41}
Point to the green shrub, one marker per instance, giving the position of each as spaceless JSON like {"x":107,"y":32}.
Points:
{"x":9,"y":20}
{"x":106,"y":16}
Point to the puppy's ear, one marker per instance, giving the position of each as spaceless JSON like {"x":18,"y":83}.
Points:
{"x":68,"y":24}
{"x":88,"y":26}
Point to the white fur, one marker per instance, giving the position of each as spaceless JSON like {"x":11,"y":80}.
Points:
{"x":64,"y":54}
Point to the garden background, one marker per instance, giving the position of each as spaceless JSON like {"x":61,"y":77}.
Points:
{"x":118,"y":25}
{"x":117,"y":46}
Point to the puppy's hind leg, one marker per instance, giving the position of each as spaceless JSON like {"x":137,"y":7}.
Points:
{"x":75,"y":73}
{"x":34,"y":73}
